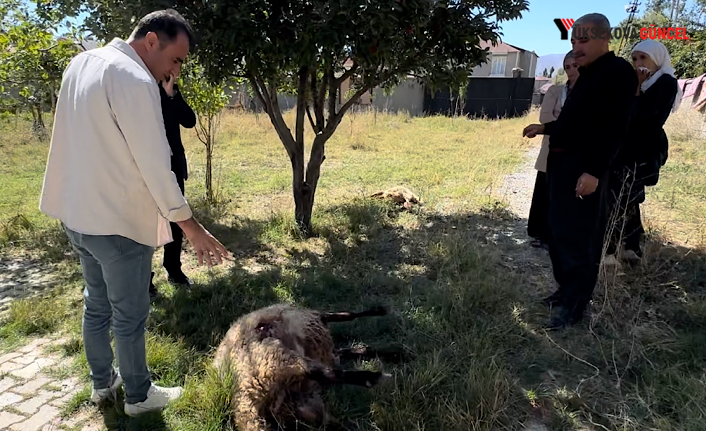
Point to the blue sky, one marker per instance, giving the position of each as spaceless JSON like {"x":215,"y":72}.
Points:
{"x":536,"y":31}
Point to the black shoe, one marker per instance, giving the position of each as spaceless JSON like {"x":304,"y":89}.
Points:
{"x":179,"y":278}
{"x":553,"y":300}
{"x":563,"y":317}
{"x":540,"y":243}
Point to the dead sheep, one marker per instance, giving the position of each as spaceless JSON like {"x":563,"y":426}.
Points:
{"x":399,"y":195}
{"x":282,"y":356}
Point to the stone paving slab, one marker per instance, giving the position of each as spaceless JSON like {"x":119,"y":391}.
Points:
{"x":31,"y":398}
{"x":22,"y":278}
{"x":7,"y":419}
{"x":8,"y":356}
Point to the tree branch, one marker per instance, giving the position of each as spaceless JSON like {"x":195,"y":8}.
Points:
{"x":48,"y":49}
{"x":311,"y":120}
{"x":275,"y":114}
{"x":301,"y":105}
{"x":336,"y":120}
{"x":347,"y":74}
{"x":321,"y":101}
{"x":332,"y":93}
{"x":258,"y":93}
{"x":318,"y":104}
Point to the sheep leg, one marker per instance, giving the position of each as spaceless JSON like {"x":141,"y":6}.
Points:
{"x":390,"y":353}
{"x":346,"y":316}
{"x":367,"y":379}
{"x":332,"y":424}
{"x":247,"y":418}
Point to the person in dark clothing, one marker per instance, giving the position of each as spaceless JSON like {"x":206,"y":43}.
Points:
{"x":645,"y":149}
{"x":176,"y":112}
{"x":554,"y":99}
{"x":583,"y":142}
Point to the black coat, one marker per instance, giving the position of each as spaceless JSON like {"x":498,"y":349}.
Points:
{"x":176,"y":112}
{"x":594,"y":120}
{"x":646,"y":142}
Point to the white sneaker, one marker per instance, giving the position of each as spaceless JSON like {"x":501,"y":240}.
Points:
{"x":157,"y":398}
{"x":99,"y":396}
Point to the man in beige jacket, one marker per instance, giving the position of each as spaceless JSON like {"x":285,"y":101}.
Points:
{"x":108,"y":180}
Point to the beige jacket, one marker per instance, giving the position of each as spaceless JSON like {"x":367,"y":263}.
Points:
{"x":551,"y":107}
{"x":108,"y":170}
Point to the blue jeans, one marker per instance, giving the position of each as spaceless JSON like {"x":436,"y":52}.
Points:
{"x":117,"y":273}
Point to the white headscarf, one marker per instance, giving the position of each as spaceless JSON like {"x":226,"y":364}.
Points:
{"x":659,"y":54}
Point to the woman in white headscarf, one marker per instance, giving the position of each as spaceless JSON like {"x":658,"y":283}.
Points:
{"x":645,"y":148}
{"x":553,"y":102}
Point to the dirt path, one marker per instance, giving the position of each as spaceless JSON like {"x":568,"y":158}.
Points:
{"x":517,"y":187}
{"x":516,"y":190}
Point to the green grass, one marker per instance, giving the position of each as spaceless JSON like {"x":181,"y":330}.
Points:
{"x":468,"y":316}
{"x":678,"y":199}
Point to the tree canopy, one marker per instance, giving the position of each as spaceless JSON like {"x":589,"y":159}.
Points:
{"x":310,"y":47}
{"x":32,"y":60}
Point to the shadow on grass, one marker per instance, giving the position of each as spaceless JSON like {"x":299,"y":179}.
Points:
{"x":464,"y":294}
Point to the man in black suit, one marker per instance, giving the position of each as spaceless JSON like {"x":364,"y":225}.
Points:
{"x":583,"y":142}
{"x":176,"y":112}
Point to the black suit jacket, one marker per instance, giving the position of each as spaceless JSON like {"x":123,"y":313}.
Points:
{"x":176,"y":112}
{"x":594,"y":120}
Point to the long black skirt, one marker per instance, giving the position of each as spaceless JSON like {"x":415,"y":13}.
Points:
{"x":538,"y":220}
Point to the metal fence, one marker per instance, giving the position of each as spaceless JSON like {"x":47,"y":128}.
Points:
{"x":485,"y":96}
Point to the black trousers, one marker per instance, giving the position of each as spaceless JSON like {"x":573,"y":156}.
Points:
{"x":578,"y":229}
{"x":172,"y":250}
{"x":627,"y":192}
{"x":538,"y":220}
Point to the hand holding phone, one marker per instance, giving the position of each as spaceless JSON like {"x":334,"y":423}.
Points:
{"x":169,"y":85}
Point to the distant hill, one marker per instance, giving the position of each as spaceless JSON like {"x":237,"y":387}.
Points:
{"x":547,"y":61}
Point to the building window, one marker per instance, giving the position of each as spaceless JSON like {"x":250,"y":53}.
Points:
{"x":497,"y":67}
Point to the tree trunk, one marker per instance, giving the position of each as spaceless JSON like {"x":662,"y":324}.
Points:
{"x":38,"y":123}
{"x":53,"y":98}
{"x":209,"y":178}
{"x":54,"y":101}
{"x":304,"y":194}
{"x":303,"y":203}
{"x":304,"y":184}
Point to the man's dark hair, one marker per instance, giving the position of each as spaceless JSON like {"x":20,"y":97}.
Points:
{"x":166,"y":24}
